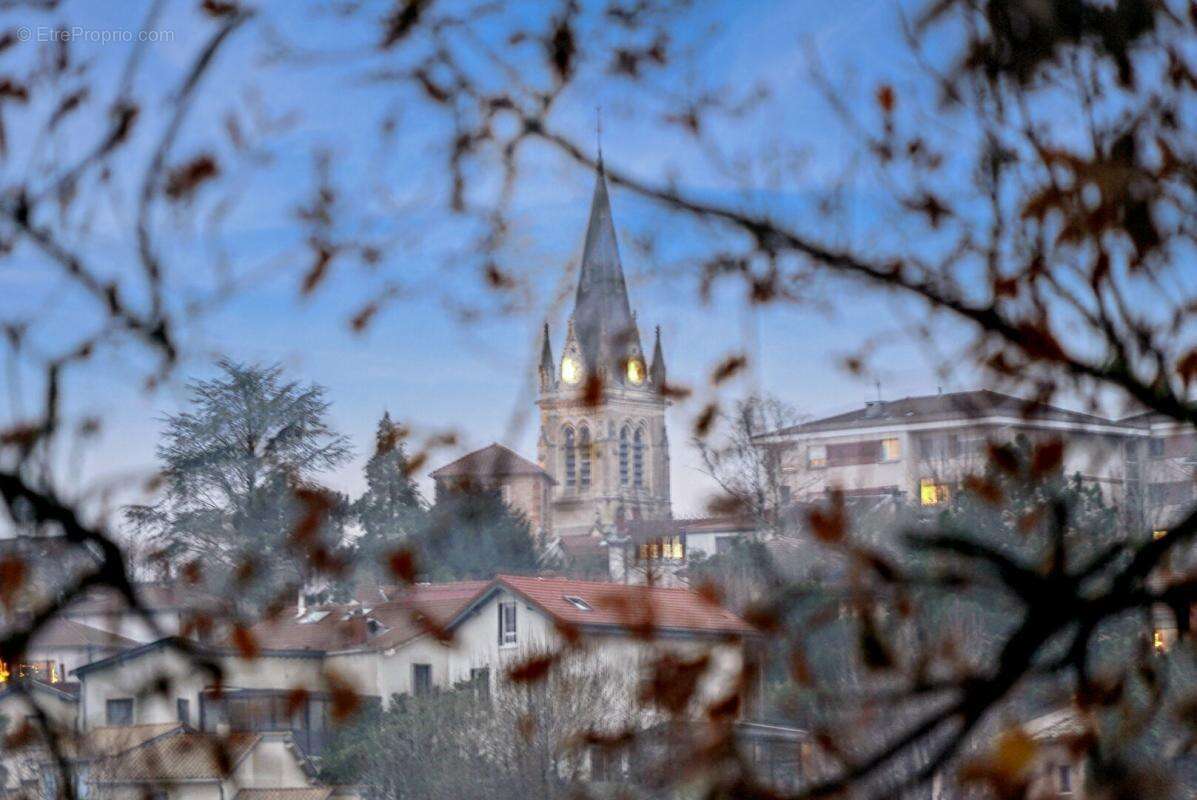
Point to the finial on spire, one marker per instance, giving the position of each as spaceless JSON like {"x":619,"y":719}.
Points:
{"x":598,"y":133}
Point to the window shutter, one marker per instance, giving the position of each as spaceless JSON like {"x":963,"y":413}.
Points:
{"x":500,"y":608}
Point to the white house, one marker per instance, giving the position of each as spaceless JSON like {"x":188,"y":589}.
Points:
{"x":433,"y":636}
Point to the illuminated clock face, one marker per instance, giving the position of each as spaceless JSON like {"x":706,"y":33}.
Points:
{"x":635,"y":371}
{"x":571,"y":370}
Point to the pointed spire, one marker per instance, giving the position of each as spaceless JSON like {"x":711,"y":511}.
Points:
{"x":546,"y":350}
{"x":602,"y":313}
{"x":657,"y":370}
{"x":547,"y":367}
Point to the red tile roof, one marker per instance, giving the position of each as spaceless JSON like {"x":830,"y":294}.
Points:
{"x":627,"y":607}
{"x":493,"y":461}
{"x":411,"y":613}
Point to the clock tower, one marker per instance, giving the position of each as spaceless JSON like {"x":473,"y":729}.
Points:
{"x":602,"y":408}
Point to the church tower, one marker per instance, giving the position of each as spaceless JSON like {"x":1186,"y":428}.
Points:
{"x":602,"y":409}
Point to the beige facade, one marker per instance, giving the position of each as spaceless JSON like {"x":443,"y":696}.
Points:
{"x":921,"y":448}
{"x":493,"y":628}
{"x":603,"y":437}
{"x":523,"y":485}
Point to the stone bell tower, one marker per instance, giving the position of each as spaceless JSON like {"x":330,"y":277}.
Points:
{"x":602,"y":411}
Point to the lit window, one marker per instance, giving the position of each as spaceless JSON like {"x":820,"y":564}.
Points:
{"x":816,"y":457}
{"x":932,"y":493}
{"x":1159,"y":640}
{"x":891,"y":449}
{"x":44,"y":671}
{"x":674,"y":549}
{"x":507,"y":629}
{"x":577,"y":602}
{"x":1159,"y":534}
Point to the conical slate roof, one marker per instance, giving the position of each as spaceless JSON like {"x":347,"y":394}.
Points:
{"x":602,"y":316}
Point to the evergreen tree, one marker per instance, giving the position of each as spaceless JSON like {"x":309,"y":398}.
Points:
{"x":241,"y":499}
{"x":391,"y":510}
{"x":474,"y":534}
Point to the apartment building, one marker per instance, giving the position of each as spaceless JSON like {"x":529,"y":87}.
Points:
{"x":919,"y":448}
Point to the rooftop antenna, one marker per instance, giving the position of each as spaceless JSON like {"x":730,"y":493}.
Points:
{"x":878,"y":384}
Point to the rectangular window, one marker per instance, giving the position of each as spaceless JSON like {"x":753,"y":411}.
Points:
{"x":421,"y":679}
{"x":1064,"y":778}
{"x":932,"y":493}
{"x":480,"y":682}
{"x":119,"y":711}
{"x":507,"y":630}
{"x":816,"y":457}
{"x":183,"y":710}
{"x":674,"y":548}
{"x":891,"y":449}
{"x":1155,"y":448}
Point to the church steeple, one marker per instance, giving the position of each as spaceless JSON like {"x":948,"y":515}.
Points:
{"x":602,"y":315}
{"x":607,"y":452}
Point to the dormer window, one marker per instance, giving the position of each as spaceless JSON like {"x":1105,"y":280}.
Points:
{"x":578,"y":602}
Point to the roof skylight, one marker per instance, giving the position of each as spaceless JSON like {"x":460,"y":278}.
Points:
{"x":577,"y":602}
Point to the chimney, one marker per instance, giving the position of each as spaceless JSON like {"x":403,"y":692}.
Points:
{"x":873,"y":409}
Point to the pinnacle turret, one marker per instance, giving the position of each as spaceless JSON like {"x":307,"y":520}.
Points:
{"x":657,"y":370}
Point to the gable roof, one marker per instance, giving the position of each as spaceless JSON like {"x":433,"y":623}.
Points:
{"x":411,"y":613}
{"x":153,"y":596}
{"x":184,"y":755}
{"x":618,"y":607}
{"x":179,"y":643}
{"x":494,"y":460}
{"x":640,"y":529}
{"x":972,"y":405}
{"x":112,"y":740}
{"x":61,"y":632}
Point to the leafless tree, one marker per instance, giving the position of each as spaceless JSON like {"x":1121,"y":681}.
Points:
{"x":1040,"y":157}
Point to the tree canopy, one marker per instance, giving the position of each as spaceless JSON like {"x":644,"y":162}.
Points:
{"x":240,"y":469}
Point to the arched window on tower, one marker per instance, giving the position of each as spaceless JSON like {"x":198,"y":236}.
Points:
{"x":624,"y":456}
{"x":584,"y":458}
{"x":571,"y":474}
{"x":638,"y":459}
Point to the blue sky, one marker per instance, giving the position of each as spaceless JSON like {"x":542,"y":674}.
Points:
{"x":418,"y":360}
